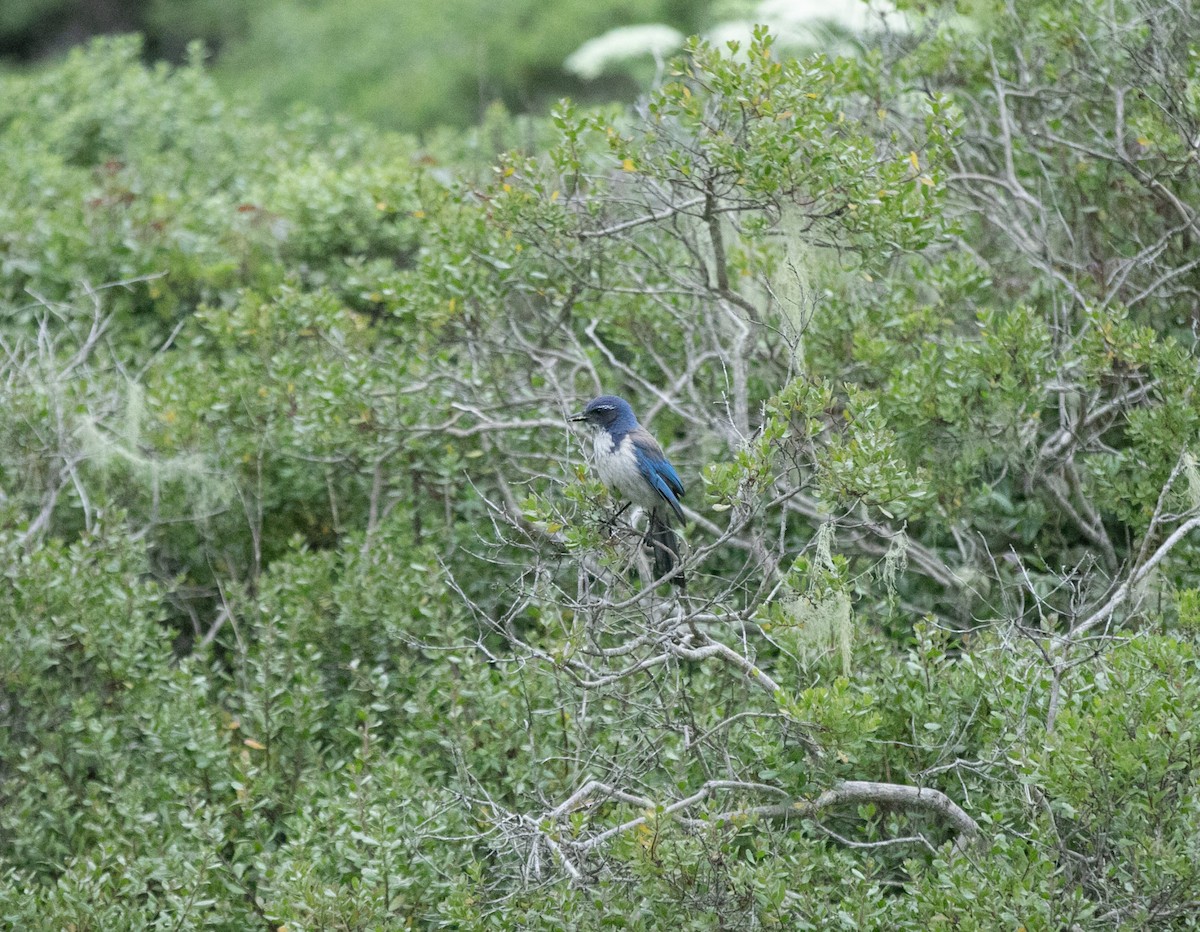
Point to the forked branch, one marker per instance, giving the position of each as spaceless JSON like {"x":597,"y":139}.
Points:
{"x":550,"y":830}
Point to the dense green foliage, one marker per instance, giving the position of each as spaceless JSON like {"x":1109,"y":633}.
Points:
{"x":314,"y":617}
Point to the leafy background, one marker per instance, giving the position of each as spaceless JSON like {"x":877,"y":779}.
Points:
{"x":313,"y":616}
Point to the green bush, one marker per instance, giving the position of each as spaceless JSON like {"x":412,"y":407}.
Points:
{"x":315,"y":618}
{"x":120,"y":173}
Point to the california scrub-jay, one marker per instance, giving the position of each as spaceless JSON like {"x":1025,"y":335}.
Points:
{"x":632,"y":464}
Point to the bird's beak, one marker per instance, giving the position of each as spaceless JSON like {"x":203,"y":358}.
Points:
{"x":578,"y":417}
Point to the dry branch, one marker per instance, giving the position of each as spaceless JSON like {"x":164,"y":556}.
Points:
{"x":549,"y":830}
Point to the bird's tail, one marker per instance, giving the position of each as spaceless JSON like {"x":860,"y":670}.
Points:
{"x":665,"y":544}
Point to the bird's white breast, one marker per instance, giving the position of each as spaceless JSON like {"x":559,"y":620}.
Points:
{"x":616,"y":465}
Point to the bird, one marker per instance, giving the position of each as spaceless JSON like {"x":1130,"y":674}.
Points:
{"x":632,"y":464}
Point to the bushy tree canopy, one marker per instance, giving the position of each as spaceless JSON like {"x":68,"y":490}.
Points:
{"x":315,"y":618}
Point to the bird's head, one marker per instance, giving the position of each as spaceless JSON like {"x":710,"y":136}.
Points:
{"x":608,"y":412}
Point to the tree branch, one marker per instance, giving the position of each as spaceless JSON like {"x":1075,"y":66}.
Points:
{"x":847,"y":793}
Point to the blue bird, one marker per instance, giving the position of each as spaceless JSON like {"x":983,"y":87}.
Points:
{"x":631,"y":463}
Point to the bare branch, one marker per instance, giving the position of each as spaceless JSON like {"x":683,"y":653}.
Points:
{"x":846,"y":794}
{"x":1122,"y":592}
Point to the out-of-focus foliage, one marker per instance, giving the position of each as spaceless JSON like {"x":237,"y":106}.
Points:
{"x":313,"y":617}
{"x":34,"y":29}
{"x":24,"y":16}
{"x":412,"y":65}
{"x":415,"y":65}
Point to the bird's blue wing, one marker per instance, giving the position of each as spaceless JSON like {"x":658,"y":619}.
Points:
{"x":657,"y":470}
